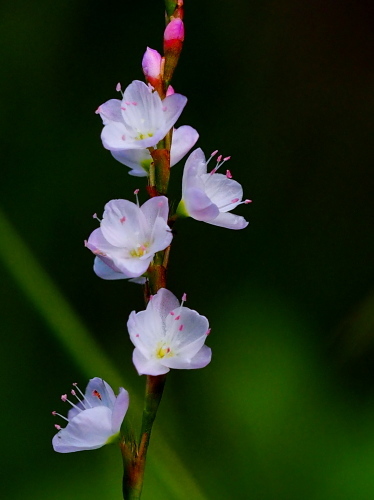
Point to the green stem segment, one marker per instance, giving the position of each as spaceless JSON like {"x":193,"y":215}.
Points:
{"x":134,"y":460}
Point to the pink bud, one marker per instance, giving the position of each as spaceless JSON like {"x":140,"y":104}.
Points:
{"x":151,"y":63}
{"x":174,"y":30}
{"x":170,"y":91}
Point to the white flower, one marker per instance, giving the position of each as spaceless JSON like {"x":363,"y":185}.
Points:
{"x":94,"y":420}
{"x":141,"y":119}
{"x":139,"y":160}
{"x":129,"y":236}
{"x":210,"y":196}
{"x":168,"y":335}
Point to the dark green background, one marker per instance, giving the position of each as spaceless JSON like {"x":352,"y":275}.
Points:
{"x":285,"y":410}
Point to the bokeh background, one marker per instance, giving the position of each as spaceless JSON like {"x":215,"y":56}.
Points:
{"x":286,"y":408}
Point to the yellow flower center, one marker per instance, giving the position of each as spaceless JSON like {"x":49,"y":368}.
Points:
{"x":162,"y":351}
{"x":140,"y":250}
{"x":140,"y":136}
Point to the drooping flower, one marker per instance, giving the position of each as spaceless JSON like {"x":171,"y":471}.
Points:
{"x":139,"y":160}
{"x":168,"y":335}
{"x":141,"y":119}
{"x":94,"y":420}
{"x":209,"y":197}
{"x":129,"y":236}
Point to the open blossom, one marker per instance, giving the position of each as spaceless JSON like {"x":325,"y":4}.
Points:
{"x":209,"y":197}
{"x":129,"y":236}
{"x":94,"y":420}
{"x":139,"y":160}
{"x":141,"y":119}
{"x":168,"y":335}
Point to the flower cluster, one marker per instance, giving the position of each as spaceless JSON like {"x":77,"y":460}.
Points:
{"x":133,"y":239}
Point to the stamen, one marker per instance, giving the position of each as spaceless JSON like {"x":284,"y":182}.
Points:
{"x":136,"y":196}
{"x":211,"y":156}
{"x":228,"y":174}
{"x":96,"y":217}
{"x":122,"y":219}
{"x":208,"y":331}
{"x":177,"y":318}
{"x":81,"y":393}
{"x":55,"y":414}
{"x":181,"y":328}
{"x":64,"y":398}
{"x":172,"y":313}
{"x":118,"y":87}
{"x":75,"y":394}
{"x":58,"y":427}
{"x":184,"y":297}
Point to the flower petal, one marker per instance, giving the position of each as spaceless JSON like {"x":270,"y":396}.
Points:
{"x":119,"y":410}
{"x":146,"y":366}
{"x":110,"y":111}
{"x":198,"y":205}
{"x":123,"y":223}
{"x":200,"y":360}
{"x":137,"y":159}
{"x":158,"y":206}
{"x":184,"y":138}
{"x":88,"y":430}
{"x":230,"y":221}
{"x":114,"y":136}
{"x":97,"y":386}
{"x":104,"y":271}
{"x":172,"y":107}
{"x":223,"y":192}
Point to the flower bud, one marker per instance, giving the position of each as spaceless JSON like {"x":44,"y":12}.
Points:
{"x":151,"y":65}
{"x":174,"y":31}
{"x":173,"y":42}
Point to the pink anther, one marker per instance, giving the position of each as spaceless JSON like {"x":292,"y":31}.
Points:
{"x":219,"y":158}
{"x":214,"y":152}
{"x":123,"y":137}
{"x":58,"y":427}
{"x":208,"y":331}
{"x":64,"y":397}
{"x":54,"y":413}
{"x":177,"y":317}
{"x":181,"y":328}
{"x":172,"y":313}
{"x":118,"y":87}
{"x":184,"y":297}
{"x":122,"y":219}
{"x":228,"y":174}
{"x":235,"y":200}
{"x":247,"y":201}
{"x":227,"y":158}
{"x":123,"y":109}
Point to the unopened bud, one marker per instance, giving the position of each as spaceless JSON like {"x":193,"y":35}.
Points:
{"x":151,"y":63}
{"x":170,"y":91}
{"x":173,"y":42}
{"x":174,"y":31}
